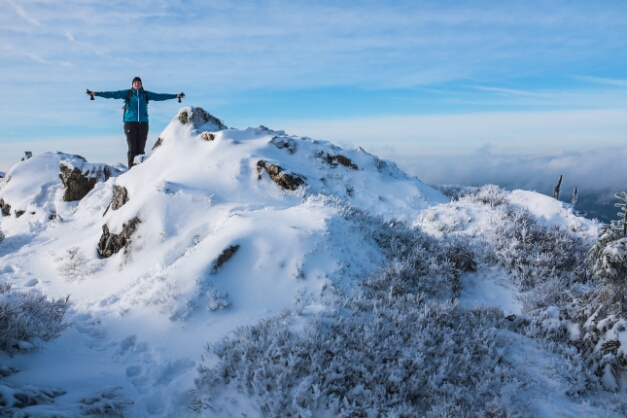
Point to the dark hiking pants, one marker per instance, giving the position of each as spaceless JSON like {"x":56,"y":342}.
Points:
{"x":136,"y":136}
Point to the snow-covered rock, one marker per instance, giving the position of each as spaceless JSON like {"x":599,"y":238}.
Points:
{"x":79,"y":177}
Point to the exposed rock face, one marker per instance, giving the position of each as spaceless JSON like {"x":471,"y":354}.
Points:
{"x":283,"y":179}
{"x":120,"y":197}
{"x":112,"y":243}
{"x":284,"y":143}
{"x":380,"y":164}
{"x":19,"y":213}
{"x":158,"y":143}
{"x":224,"y":257}
{"x":334,"y":160}
{"x":5,"y":208}
{"x":199,"y":117}
{"x":207,"y":136}
{"x":78,"y":181}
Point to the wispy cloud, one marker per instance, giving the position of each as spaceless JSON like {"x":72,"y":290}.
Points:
{"x":504,"y":90}
{"x":33,"y":56}
{"x":607,"y":81}
{"x":23,"y":13}
{"x":451,"y":134}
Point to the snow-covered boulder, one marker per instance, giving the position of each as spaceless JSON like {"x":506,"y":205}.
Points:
{"x":79,"y":177}
{"x":110,"y":244}
{"x":119,"y":198}
{"x":200,"y":119}
{"x":282,"y":178}
{"x":31,"y":186}
{"x":5,"y":207}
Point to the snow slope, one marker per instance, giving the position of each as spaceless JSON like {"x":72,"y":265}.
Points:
{"x":141,"y":319}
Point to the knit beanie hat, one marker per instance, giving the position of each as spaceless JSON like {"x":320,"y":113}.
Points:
{"x":137,"y":79}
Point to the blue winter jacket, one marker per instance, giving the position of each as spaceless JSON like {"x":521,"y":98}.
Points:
{"x":136,"y":108}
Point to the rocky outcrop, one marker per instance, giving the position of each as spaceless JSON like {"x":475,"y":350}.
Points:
{"x":119,"y":198}
{"x":112,"y":243}
{"x":224,"y":257}
{"x":335,"y":160}
{"x":79,"y":177}
{"x":158,"y":143}
{"x":199,"y":117}
{"x":5,"y":208}
{"x":284,"y":143}
{"x":281,"y":177}
{"x":207,"y":136}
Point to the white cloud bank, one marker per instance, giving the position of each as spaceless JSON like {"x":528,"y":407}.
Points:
{"x":509,"y":132}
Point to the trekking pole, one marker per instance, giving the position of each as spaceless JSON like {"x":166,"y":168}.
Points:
{"x":91,"y":97}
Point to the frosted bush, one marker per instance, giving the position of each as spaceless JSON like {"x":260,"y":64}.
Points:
{"x":397,"y":356}
{"x":75,"y":266}
{"x":564,"y":306}
{"x":608,"y":256}
{"x":488,"y":194}
{"x":216,"y":300}
{"x":455,"y":191}
{"x":14,"y":399}
{"x":418,"y":261}
{"x":28,"y":317}
{"x":106,"y":403}
{"x":534,"y":253}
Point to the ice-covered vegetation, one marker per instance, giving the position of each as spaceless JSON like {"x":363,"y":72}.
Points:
{"x":27,"y":318}
{"x":402,"y":346}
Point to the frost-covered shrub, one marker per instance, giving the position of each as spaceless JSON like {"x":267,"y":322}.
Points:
{"x":429,"y":266}
{"x":488,"y":194}
{"x":14,"y":399}
{"x":106,"y":403}
{"x":564,"y":306}
{"x":418,"y":260}
{"x":397,"y":356}
{"x":608,"y":256}
{"x":455,"y":191}
{"x":533,"y":253}
{"x":28,"y":317}
{"x":75,"y":266}
{"x":216,"y":300}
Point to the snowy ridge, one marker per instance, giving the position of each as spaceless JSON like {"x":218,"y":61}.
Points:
{"x":255,"y":240}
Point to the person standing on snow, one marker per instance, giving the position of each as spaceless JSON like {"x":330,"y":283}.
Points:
{"x":135,"y":114}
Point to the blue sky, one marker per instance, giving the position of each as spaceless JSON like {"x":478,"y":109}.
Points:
{"x":401,"y":79}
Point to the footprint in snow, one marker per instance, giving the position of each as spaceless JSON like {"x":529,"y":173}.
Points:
{"x":31,"y":283}
{"x":147,"y":374}
{"x":90,"y":326}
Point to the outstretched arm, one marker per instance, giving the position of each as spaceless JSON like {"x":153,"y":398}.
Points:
{"x":120,"y":94}
{"x":163,"y":96}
